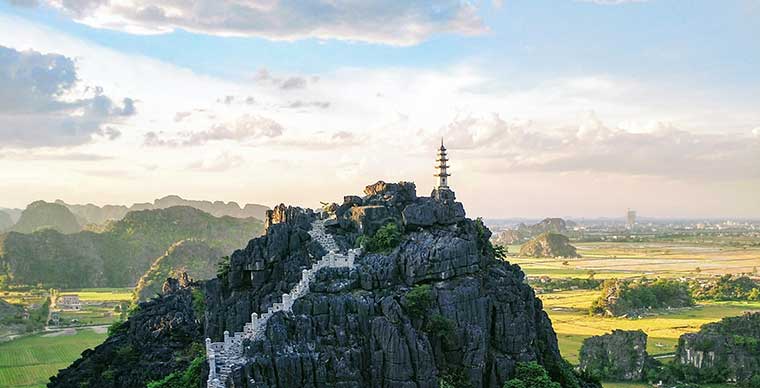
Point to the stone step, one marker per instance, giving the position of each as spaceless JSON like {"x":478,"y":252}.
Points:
{"x":224,"y":356}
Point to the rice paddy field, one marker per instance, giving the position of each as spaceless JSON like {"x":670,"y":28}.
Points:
{"x":97,"y":305}
{"x":630,"y":260}
{"x":30,"y":361}
{"x":569,"y":309}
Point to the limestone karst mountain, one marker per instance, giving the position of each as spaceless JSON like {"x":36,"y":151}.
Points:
{"x":45,"y":215}
{"x":99,"y":215}
{"x":523,"y":232}
{"x":425,"y":303}
{"x":192,"y":256}
{"x":6,"y":222}
{"x":725,"y":351}
{"x":548,"y":245}
{"x":15,"y":214}
{"x":118,"y":256}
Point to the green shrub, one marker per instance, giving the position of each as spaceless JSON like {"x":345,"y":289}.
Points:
{"x":190,"y":377}
{"x":441,"y":327}
{"x":531,"y":375}
{"x":453,"y":378}
{"x":384,"y":240}
{"x":418,"y":300}
{"x":199,"y":303}
{"x":223,"y":268}
{"x":642,"y":293}
{"x":117,"y":328}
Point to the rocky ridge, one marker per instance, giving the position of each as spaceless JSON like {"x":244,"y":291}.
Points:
{"x":355,"y":328}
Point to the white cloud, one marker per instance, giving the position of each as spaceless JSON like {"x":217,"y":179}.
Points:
{"x":222,"y":161}
{"x":42,"y":103}
{"x":389,"y":22}
{"x":592,"y":146}
{"x":246,"y":127}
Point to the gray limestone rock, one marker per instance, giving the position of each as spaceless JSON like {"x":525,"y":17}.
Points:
{"x":620,"y":355}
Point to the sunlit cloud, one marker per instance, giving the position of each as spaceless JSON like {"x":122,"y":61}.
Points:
{"x":396,"y":23}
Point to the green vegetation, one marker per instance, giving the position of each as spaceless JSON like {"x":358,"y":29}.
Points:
{"x":119,"y":255}
{"x":385,"y":239}
{"x":190,"y":377}
{"x":531,"y":375}
{"x":442,"y":328}
{"x":418,"y":300}
{"x":30,"y":361}
{"x":727,"y":287}
{"x":199,"y":302}
{"x":554,"y":285}
{"x":118,"y":327}
{"x":192,"y":256}
{"x":223,"y":267}
{"x":620,"y":297}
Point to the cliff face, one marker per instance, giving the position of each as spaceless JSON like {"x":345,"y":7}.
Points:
{"x":619,"y":356}
{"x":366,"y":326}
{"x":728,"y":350}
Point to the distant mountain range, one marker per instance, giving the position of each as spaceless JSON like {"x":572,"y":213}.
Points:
{"x":40,"y":214}
{"x":92,"y":214}
{"x":118,"y":255}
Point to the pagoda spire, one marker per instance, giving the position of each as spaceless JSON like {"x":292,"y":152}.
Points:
{"x":442,"y":173}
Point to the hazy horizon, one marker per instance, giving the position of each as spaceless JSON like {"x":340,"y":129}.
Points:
{"x":548,"y":108}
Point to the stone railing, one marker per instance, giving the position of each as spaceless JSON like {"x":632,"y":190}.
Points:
{"x":223,"y":356}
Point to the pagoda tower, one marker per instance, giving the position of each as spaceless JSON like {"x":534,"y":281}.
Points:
{"x":442,"y":169}
{"x":442,"y":191}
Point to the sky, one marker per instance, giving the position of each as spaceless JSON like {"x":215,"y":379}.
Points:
{"x":548,"y":107}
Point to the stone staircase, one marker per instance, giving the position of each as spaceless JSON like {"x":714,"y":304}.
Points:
{"x":224,"y":356}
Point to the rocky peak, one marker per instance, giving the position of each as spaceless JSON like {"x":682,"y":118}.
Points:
{"x":426,"y":306}
{"x":356,"y":327}
{"x":172,"y":285}
{"x":288,"y":214}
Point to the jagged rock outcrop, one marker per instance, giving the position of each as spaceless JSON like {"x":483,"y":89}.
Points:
{"x":619,"y":356}
{"x":436,"y":306}
{"x":355,"y":327}
{"x":549,"y":245}
{"x":155,"y":341}
{"x":720,"y":352}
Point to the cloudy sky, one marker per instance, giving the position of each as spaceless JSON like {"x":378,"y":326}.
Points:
{"x":548,"y":107}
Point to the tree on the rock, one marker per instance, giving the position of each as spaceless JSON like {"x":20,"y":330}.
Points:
{"x":531,"y":375}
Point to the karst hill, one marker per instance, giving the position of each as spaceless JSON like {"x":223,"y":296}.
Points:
{"x":390,"y":289}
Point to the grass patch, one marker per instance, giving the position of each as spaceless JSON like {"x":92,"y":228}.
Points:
{"x":30,"y":361}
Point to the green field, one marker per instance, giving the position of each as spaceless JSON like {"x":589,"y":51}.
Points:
{"x":569,"y":314}
{"x":568,"y":310}
{"x":630,"y":260}
{"x":30,"y":361}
